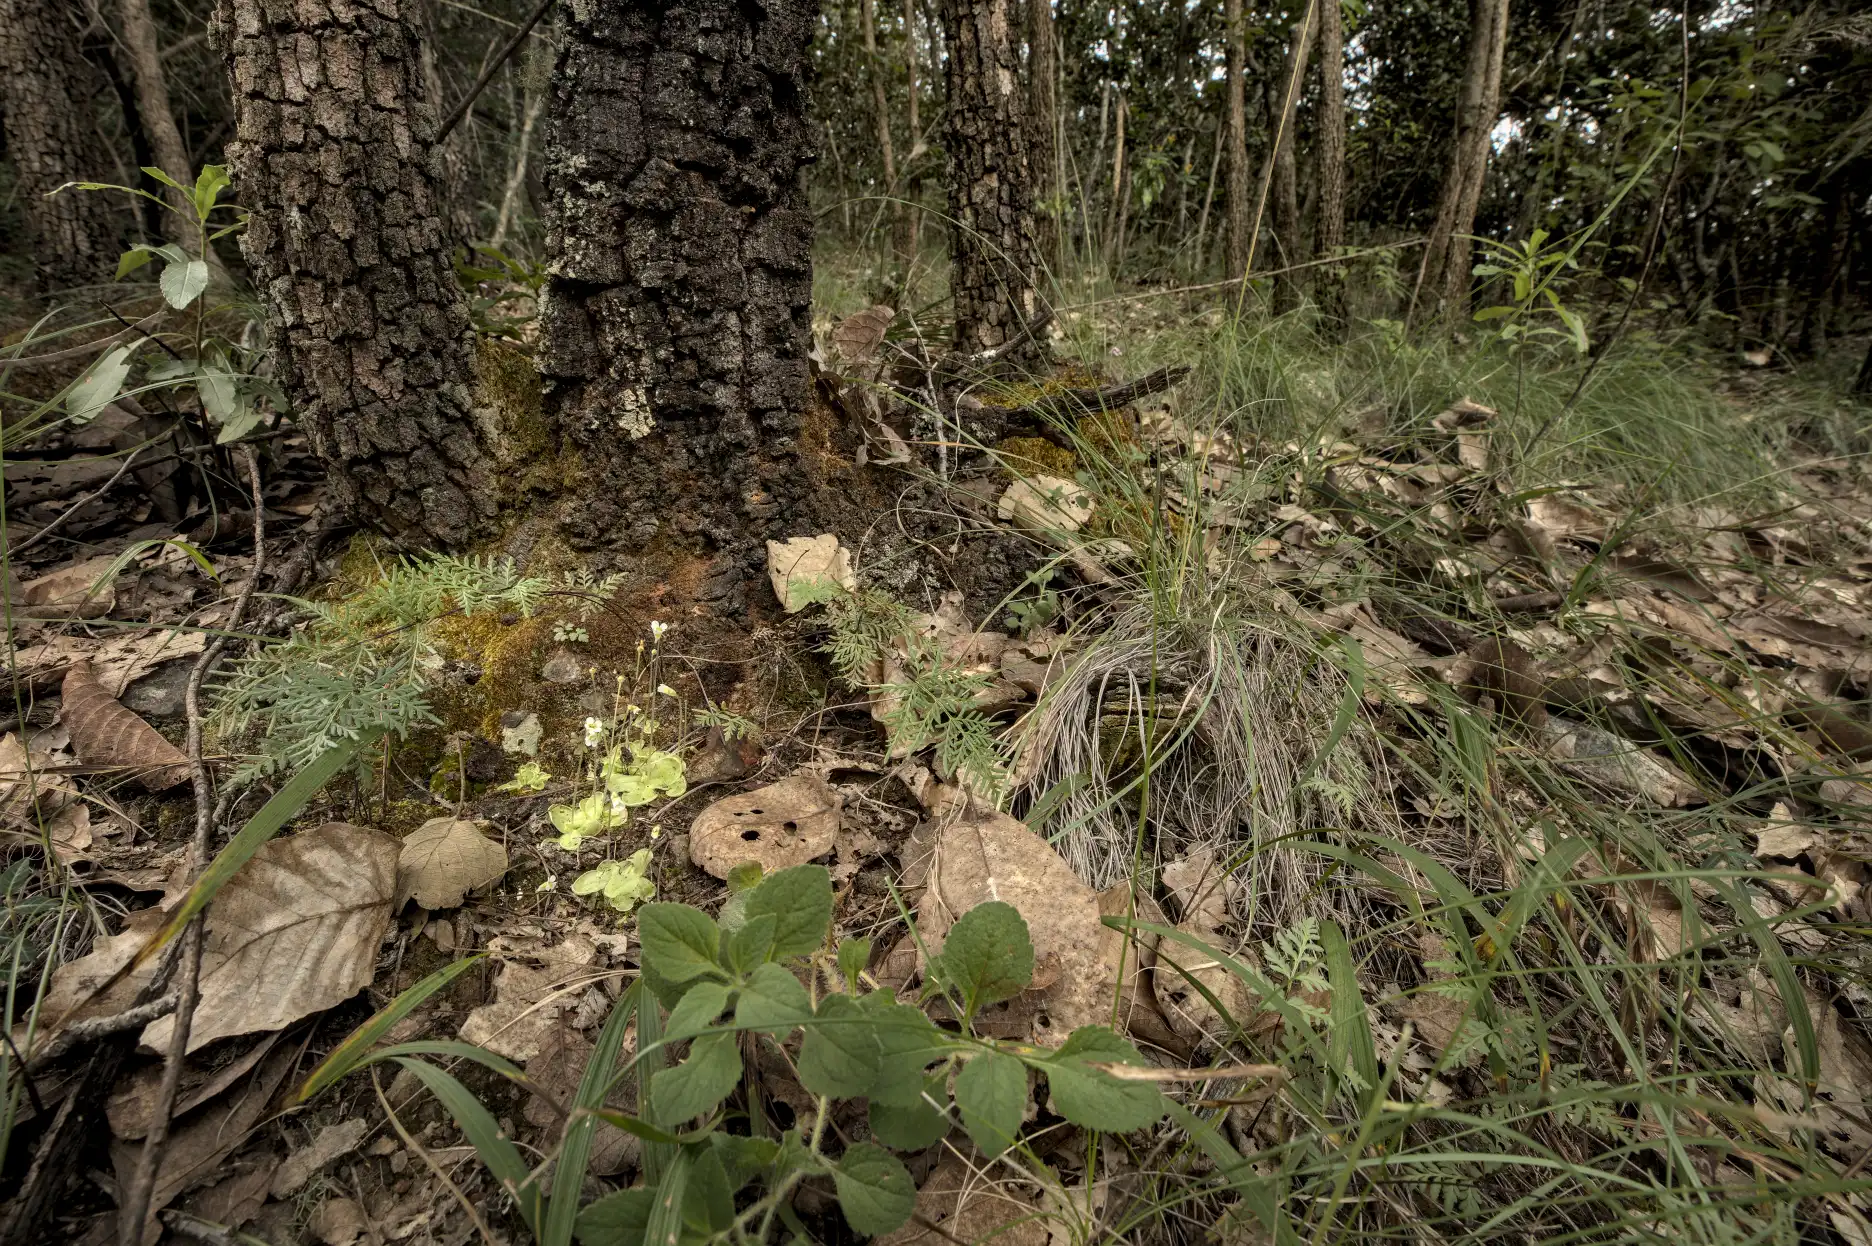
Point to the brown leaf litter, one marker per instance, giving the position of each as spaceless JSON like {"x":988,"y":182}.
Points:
{"x":780,"y":825}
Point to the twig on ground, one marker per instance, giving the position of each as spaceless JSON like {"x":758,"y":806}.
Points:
{"x":93,"y":1028}
{"x":74,"y":508}
{"x":133,"y":1211}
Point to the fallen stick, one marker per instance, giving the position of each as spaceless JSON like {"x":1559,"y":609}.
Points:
{"x":1105,"y":397}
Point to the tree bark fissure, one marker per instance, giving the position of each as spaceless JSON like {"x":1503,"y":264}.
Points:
{"x":1042,"y":120}
{"x":994,"y":256}
{"x":676,"y":323}
{"x":347,"y":245}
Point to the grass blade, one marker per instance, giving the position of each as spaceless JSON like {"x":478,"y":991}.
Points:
{"x":500,"y":1156}
{"x":349,"y":1054}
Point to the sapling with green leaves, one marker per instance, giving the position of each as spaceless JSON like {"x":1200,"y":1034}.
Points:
{"x":739,"y":977}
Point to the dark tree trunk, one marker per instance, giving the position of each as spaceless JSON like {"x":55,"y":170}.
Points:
{"x":346,"y":243}
{"x":1330,"y":233}
{"x":676,"y":325}
{"x":1235,"y":136}
{"x":1443,"y":277}
{"x":1286,"y":177}
{"x":52,"y":138}
{"x":1042,"y":117}
{"x":990,"y":194}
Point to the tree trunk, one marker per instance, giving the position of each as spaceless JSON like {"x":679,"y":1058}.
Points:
{"x":880,"y":103}
{"x":1234,"y":41}
{"x":676,"y":324}
{"x":138,"y":32}
{"x":910,"y":239}
{"x":1443,"y":274}
{"x":51,"y":138}
{"x":346,"y":243}
{"x":990,"y":197}
{"x":1330,"y":234}
{"x":1286,"y":178}
{"x":1042,"y":118}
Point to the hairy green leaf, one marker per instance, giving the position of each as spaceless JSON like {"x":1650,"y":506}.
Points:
{"x":991,"y":1094}
{"x":1092,"y":1098}
{"x":772,"y":1000}
{"x":874,"y":1189}
{"x":699,"y":1083}
{"x":679,"y":943}
{"x":987,"y":955}
{"x":800,"y":900}
{"x":840,"y":1055}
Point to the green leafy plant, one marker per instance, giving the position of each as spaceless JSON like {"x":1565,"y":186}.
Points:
{"x":624,"y":884}
{"x":503,"y":290}
{"x":359,"y":664}
{"x":1536,"y":275}
{"x":731,"y":980}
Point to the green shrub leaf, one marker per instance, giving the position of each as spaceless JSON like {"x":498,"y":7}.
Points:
{"x":679,"y":943}
{"x":617,"y":1219}
{"x":840,"y":1056}
{"x":991,"y":1093}
{"x":987,"y":956}
{"x":752,"y":944}
{"x":913,"y":1128}
{"x":800,"y":900}
{"x":1092,"y":1098}
{"x":874,"y":1189}
{"x":696,"y":1011}
{"x":773,"y":1001}
{"x":907,"y":1044}
{"x":699,"y":1083}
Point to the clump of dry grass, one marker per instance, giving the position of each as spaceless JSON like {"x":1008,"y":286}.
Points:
{"x":1214,"y":728}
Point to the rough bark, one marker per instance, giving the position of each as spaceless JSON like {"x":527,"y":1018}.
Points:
{"x":1286,"y":177}
{"x":137,"y":32}
{"x":346,"y":243}
{"x":52,"y":139}
{"x":1443,"y":274}
{"x":1236,"y":138}
{"x":676,"y":324}
{"x":1042,"y":118}
{"x":910,"y":236}
{"x":990,"y":192}
{"x":1329,"y":235}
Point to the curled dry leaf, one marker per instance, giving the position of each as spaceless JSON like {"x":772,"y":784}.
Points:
{"x":1616,"y":764}
{"x":783,"y":824}
{"x":857,"y":338}
{"x":985,"y":855}
{"x":1202,"y":890}
{"x":79,"y":591}
{"x":1046,"y":502}
{"x":1507,"y":676}
{"x":104,"y":733}
{"x":294,"y":933}
{"x":443,"y":860}
{"x":798,"y":563}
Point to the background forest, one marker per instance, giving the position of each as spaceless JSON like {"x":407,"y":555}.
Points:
{"x":935,"y":620}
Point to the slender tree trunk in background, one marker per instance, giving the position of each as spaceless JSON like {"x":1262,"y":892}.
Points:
{"x":1829,"y":253}
{"x":1114,"y":212}
{"x":137,"y":29}
{"x":51,"y":138}
{"x":990,"y":197}
{"x":1234,"y":41}
{"x":911,"y":222}
{"x":1286,"y":177}
{"x":1330,"y":234}
{"x":533,"y":105}
{"x":1042,"y":122}
{"x":880,"y":103}
{"x":1202,"y":219}
{"x":676,"y":321}
{"x":453,"y":184}
{"x":346,"y":244}
{"x":1443,"y":275}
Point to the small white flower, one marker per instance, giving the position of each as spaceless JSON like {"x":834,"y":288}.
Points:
{"x":594,"y":732}
{"x":552,"y":881}
{"x":657,"y":630}
{"x":666,"y":690}
{"x":656,"y":831}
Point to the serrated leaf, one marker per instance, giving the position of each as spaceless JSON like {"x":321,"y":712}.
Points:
{"x":840,"y":1055}
{"x":908,"y":1043}
{"x":913,"y":1128}
{"x":696,"y":1011}
{"x":183,"y":281}
{"x":874,"y":1189}
{"x":752,"y":944}
{"x":699,"y":1083}
{"x":991,"y":1094}
{"x":987,"y":955}
{"x":773,"y":1001}
{"x":679,"y":943}
{"x":1092,"y":1098}
{"x":800,"y":900}
{"x":853,"y":956}
{"x":617,"y":1219}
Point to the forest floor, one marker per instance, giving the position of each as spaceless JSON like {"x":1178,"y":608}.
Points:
{"x":1504,"y":737}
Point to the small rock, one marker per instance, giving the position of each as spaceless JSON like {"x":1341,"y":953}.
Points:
{"x":562,"y":668}
{"x":160,"y":695}
{"x":520,"y":732}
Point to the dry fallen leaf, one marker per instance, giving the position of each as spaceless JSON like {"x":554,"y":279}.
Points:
{"x":295,"y":932}
{"x":118,"y":661}
{"x":331,"y":1142}
{"x":986,"y":855}
{"x":338,"y":1222}
{"x":536,"y":985}
{"x":783,"y":824}
{"x":556,"y":1072}
{"x":75,"y":592}
{"x":104,"y":733}
{"x":797,"y":564}
{"x":1046,"y":502}
{"x":857,"y":337}
{"x":965,"y":1205}
{"x":443,"y":860}
{"x":1202,"y":891}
